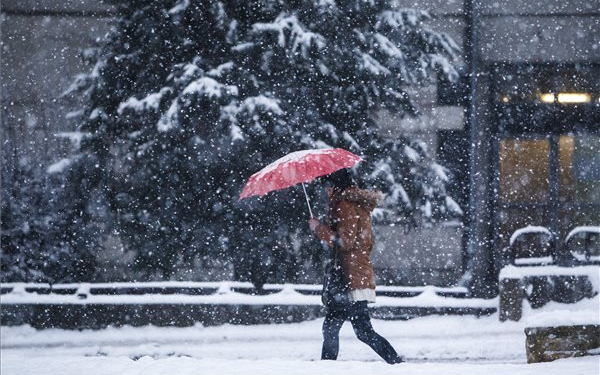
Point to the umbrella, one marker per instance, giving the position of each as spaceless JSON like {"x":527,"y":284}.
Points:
{"x":298,"y":167}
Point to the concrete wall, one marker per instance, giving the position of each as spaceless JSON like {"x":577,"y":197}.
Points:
{"x":42,"y":42}
{"x":422,"y":256}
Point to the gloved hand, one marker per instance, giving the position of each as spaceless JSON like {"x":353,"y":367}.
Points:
{"x":313,"y":223}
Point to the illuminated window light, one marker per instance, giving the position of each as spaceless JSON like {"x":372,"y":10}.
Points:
{"x":547,"y":98}
{"x":505,"y":99}
{"x":574,"y":97}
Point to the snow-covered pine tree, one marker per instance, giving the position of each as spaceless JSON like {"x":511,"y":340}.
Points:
{"x":188,"y":98}
{"x":45,"y":235}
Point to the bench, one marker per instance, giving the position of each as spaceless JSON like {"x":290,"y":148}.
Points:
{"x":583,"y":244}
{"x":538,"y":268}
{"x":542,"y":284}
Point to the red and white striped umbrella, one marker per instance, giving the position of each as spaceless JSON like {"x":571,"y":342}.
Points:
{"x":298,"y":167}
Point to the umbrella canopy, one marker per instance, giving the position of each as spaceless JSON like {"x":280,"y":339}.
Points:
{"x":298,"y":167}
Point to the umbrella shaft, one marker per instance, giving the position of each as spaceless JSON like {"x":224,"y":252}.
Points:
{"x":307,"y":201}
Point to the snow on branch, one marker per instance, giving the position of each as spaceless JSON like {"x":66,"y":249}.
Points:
{"x":388,"y":47}
{"x":207,"y":86}
{"x":220,"y":70}
{"x":59,"y":166}
{"x":440,"y":171}
{"x":412,"y":154}
{"x":180,"y":7}
{"x":400,"y":19}
{"x":398,"y":192}
{"x":353,"y":144}
{"x":169,"y":120}
{"x":453,"y":207}
{"x":265,"y":103}
{"x":251,"y":105}
{"x":75,"y":137}
{"x":370,"y":64}
{"x":152,"y":101}
{"x":298,"y":36}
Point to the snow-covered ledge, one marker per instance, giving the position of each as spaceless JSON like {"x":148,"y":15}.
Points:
{"x":220,"y":293}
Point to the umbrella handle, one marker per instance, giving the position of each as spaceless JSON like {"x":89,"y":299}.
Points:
{"x":307,"y":201}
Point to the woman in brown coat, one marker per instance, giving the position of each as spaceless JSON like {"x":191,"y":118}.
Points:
{"x":350,"y":236}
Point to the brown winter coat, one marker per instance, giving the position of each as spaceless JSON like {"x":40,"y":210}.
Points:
{"x":351,"y":218}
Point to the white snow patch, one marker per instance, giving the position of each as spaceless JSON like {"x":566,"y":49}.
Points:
{"x":264,"y":102}
{"x":400,"y":18}
{"x":242,"y":47}
{"x":220,"y":70}
{"x":534,"y":261}
{"x":388,"y":47}
{"x":586,"y":311}
{"x":289,"y":26}
{"x":236,"y":133}
{"x":353,"y":144}
{"x":179,"y":7}
{"x":74,"y":137}
{"x":370,"y":64}
{"x":96,"y":113}
{"x":440,"y":171}
{"x":426,"y":209}
{"x":452,"y":206}
{"x":592,"y":272}
{"x":152,"y":101}
{"x":434,"y":345}
{"x":209,"y":87}
{"x":412,"y":154}
{"x":59,"y":166}
{"x":74,"y":114}
{"x":168,"y":120}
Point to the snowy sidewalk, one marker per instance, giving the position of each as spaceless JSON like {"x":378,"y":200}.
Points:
{"x":432,"y":345}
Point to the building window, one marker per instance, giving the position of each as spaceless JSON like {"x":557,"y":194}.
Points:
{"x":579,"y":168}
{"x":547,"y":148}
{"x":524,"y":170}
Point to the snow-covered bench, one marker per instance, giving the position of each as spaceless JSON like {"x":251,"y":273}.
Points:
{"x":583,"y":244}
{"x":539,"y":268}
{"x":567,"y":284}
{"x":537,"y":246}
{"x":530,"y":246}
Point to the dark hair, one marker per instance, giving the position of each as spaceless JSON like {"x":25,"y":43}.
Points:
{"x":340,"y":180}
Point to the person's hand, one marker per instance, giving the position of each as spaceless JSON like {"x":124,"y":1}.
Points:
{"x":313,"y":223}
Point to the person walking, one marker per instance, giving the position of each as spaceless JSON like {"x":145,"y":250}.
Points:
{"x":349,"y":237}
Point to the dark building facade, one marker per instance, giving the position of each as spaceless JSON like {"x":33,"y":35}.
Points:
{"x":533,"y":125}
{"x":521,"y":134}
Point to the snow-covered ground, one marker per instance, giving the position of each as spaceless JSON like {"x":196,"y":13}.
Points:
{"x":432,"y":345}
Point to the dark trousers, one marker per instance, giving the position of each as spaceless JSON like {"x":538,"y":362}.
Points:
{"x":358,"y":314}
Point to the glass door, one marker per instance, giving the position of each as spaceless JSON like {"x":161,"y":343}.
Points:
{"x":524,"y":189}
{"x":551,"y":181}
{"x":578,"y":182}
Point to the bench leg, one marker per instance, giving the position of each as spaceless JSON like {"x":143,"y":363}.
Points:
{"x":511,"y":299}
